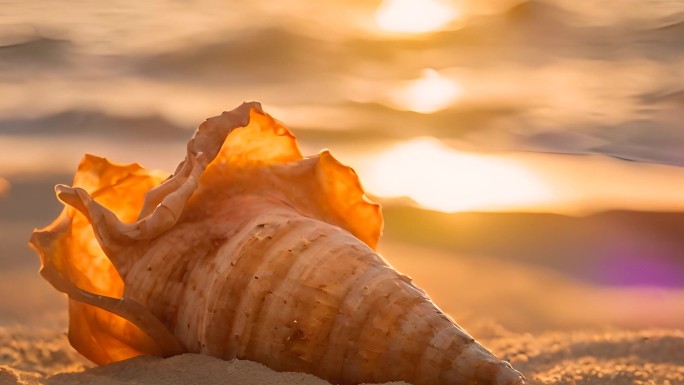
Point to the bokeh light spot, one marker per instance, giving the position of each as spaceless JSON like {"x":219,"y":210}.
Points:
{"x":430,"y":93}
{"x":413,"y":16}
{"x":440,"y":178}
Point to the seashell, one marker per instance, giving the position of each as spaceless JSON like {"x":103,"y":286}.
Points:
{"x":249,"y":251}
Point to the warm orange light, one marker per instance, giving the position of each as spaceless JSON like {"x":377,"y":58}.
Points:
{"x":4,"y":187}
{"x":430,"y":93}
{"x":440,"y":178}
{"x":413,"y":16}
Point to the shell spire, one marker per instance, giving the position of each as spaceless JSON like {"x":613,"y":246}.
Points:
{"x":249,"y":251}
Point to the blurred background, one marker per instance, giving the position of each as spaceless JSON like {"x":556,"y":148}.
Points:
{"x":527,"y":153}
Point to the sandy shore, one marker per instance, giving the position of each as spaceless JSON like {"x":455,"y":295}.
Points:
{"x":30,"y":356}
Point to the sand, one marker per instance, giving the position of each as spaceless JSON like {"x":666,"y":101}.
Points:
{"x":44,"y":357}
{"x":30,"y":356}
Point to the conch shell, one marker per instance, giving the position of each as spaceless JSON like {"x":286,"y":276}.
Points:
{"x":249,"y":251}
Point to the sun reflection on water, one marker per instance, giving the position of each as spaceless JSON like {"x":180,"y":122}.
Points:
{"x":413,"y":16}
{"x":440,"y":178}
{"x":429,"y":93}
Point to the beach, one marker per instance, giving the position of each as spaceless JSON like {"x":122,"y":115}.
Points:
{"x":527,"y":154}
{"x":616,"y":357}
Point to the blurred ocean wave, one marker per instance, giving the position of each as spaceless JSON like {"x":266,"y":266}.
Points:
{"x":535,"y":75}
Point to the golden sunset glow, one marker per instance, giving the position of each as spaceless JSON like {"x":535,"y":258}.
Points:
{"x":4,"y":187}
{"x":440,"y":178}
{"x":429,"y":93}
{"x":413,"y":16}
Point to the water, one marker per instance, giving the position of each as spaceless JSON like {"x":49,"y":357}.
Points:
{"x":557,"y":75}
{"x":131,"y":80}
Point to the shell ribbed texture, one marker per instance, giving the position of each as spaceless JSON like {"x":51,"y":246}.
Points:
{"x":299,"y":293}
